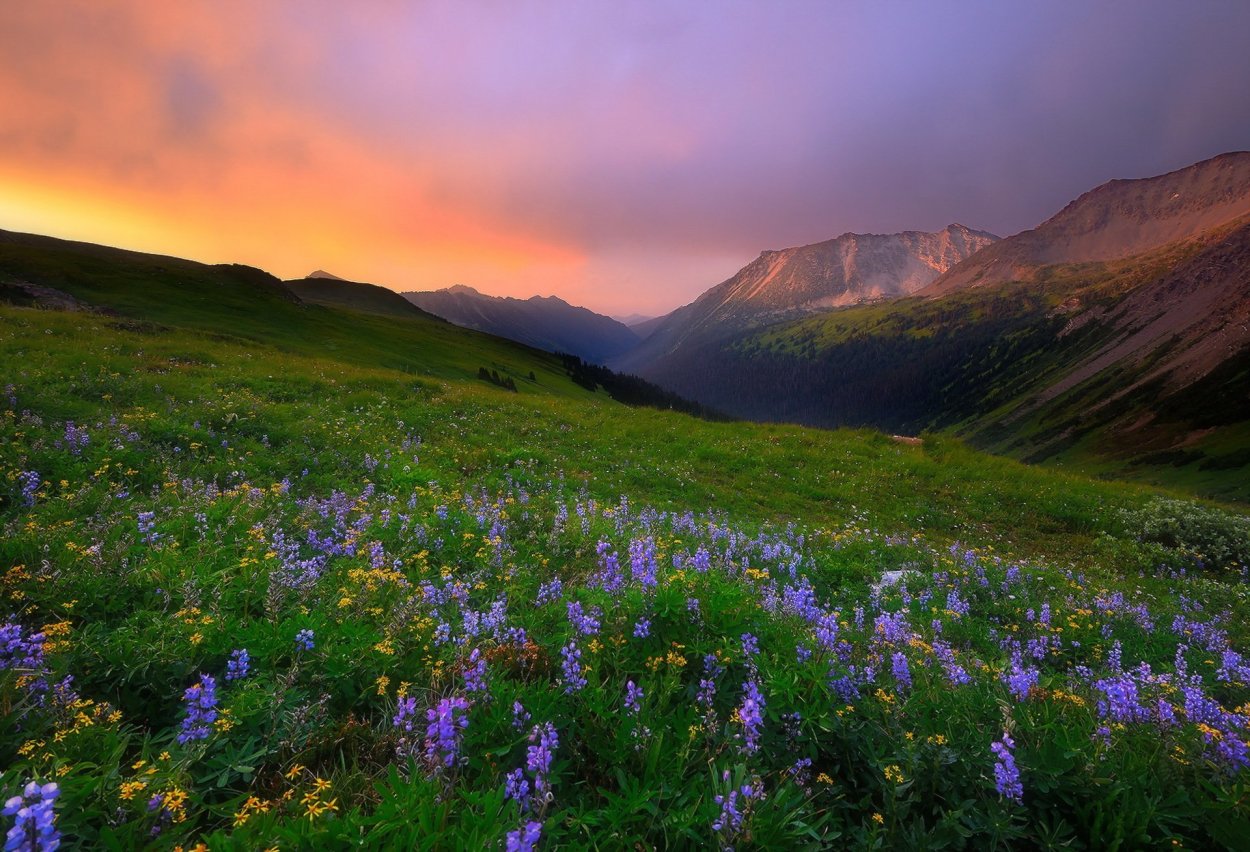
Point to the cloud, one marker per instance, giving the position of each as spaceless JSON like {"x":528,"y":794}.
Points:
{"x":625,"y":156}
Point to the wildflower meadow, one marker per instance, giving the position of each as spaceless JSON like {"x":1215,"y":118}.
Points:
{"x":256,"y":600}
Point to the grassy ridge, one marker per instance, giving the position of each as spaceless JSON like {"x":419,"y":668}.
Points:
{"x":241,"y":304}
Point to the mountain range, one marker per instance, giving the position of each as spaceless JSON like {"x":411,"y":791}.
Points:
{"x":544,"y":322}
{"x":795,"y":282}
{"x":1116,"y":333}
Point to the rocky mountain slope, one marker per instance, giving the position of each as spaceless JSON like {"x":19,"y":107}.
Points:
{"x":1120,"y":218}
{"x":545,"y":322}
{"x":799,"y":281}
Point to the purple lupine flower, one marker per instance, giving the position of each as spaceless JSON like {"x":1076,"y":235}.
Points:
{"x":958,"y":605}
{"x":1165,"y":713}
{"x":304,"y":640}
{"x":633,"y":698}
{"x":892,"y":627}
{"x":902,"y":672}
{"x":475,"y":672}
{"x":447,"y":722}
{"x":525,"y":838}
{"x":751,"y":713}
{"x":34,"y":825}
{"x":844,"y":687}
{"x":642,"y":562}
{"x":550,"y":591}
{"x":239,"y":665}
{"x":540,"y":753}
{"x":1019,"y":678}
{"x":610,"y":578}
{"x":1120,"y":703}
{"x":76,"y":437}
{"x":1006,"y":774}
{"x":517,"y":788}
{"x":827,"y":631}
{"x":405,"y":713}
{"x":956,"y":675}
{"x":801,"y":771}
{"x":571,"y":668}
{"x":1113,"y":658}
{"x":802,"y":653}
{"x":520,"y":716}
{"x":707,"y":685}
{"x":585,"y":623}
{"x":750,"y":645}
{"x":200,"y":700}
{"x":146,"y":523}
{"x":442,"y":633}
{"x":31,"y":481}
{"x":1233,"y":668}
{"x":707,"y":692}
{"x":735,"y":808}
{"x":1232,"y":751}
{"x":20,"y":650}
{"x":642,"y":629}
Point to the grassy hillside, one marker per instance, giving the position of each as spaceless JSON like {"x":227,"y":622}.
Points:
{"x":314,"y":585}
{"x":366,"y":298}
{"x":236,"y":304}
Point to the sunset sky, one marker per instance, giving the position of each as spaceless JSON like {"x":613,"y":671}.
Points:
{"x":622,"y":155}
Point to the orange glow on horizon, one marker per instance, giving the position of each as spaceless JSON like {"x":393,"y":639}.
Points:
{"x":289,"y":237}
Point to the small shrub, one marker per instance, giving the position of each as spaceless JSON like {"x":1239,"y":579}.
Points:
{"x":1219,"y":539}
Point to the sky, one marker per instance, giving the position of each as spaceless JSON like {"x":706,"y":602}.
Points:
{"x":625,"y":156}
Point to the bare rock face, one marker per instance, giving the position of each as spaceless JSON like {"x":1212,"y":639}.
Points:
{"x":846,"y":270}
{"x":794,"y":282}
{"x":43,"y":296}
{"x":1121,"y":218}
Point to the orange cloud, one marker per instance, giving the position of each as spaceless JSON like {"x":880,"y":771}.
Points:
{"x":166,"y":135}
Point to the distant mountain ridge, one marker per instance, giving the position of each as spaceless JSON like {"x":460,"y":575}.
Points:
{"x":794,"y":282}
{"x":1118,"y":219}
{"x":545,"y":322}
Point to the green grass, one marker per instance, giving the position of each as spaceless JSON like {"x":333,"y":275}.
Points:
{"x":758,"y":471}
{"x":451,"y":500}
